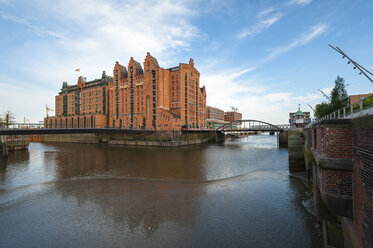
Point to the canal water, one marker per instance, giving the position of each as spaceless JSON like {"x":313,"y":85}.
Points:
{"x":236,"y":194}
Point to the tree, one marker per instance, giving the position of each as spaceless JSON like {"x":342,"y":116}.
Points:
{"x":322,"y":109}
{"x":8,"y":118}
{"x":338,"y":99}
{"x":338,"y":96}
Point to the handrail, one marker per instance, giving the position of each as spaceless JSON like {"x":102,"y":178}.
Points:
{"x":350,"y":111}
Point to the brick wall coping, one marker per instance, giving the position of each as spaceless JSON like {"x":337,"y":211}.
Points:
{"x":332,"y":163}
{"x":333,"y":123}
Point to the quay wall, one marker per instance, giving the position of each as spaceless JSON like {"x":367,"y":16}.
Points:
{"x":160,"y":138}
{"x":9,"y":143}
{"x":340,"y":153}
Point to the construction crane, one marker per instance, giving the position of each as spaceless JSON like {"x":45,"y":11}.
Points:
{"x":47,"y":109}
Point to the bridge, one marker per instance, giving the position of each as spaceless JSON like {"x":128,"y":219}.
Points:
{"x":252,"y":126}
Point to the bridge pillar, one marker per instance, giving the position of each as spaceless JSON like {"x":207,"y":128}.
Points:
{"x":283,"y":139}
{"x":295,"y":149}
{"x":219,"y":137}
{"x":3,"y":146}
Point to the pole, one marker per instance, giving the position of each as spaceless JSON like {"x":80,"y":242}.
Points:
{"x":361,"y":69}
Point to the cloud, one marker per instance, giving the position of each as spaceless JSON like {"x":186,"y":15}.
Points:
{"x":266,"y":19}
{"x":92,"y":35}
{"x":305,"y":38}
{"x":38,"y":30}
{"x":24,"y":102}
{"x":254,"y":96}
{"x":300,"y":2}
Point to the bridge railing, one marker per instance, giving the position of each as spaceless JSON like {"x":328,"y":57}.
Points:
{"x":252,"y":125}
{"x":362,"y":108}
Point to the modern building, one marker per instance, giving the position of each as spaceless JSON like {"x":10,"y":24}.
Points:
{"x":152,"y":98}
{"x":215,"y":117}
{"x":355,"y":99}
{"x":231,"y":116}
{"x":299,"y":119}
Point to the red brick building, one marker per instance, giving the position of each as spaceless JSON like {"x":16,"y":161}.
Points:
{"x":355,"y":99}
{"x":231,"y":116}
{"x":134,"y":98}
{"x":215,"y":116}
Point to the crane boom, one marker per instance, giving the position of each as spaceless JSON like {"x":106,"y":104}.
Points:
{"x":47,"y":109}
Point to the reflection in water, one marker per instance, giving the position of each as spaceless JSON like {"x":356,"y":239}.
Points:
{"x":140,"y":206}
{"x":96,"y":195}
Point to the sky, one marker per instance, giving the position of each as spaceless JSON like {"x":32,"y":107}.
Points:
{"x":263,"y":57}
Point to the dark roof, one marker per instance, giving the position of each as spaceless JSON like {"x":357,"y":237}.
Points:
{"x":122,"y":68}
{"x":155,"y":61}
{"x":123,"y":71}
{"x":138,"y":68}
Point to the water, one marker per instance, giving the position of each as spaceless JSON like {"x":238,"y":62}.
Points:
{"x":238,"y":194}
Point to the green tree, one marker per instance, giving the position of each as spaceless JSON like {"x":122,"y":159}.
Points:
{"x":338,"y":99}
{"x":338,"y":96}
{"x":8,"y":118}
{"x":322,"y":109}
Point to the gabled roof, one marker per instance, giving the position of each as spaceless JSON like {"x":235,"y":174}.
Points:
{"x":138,"y":67}
{"x":123,"y":71}
{"x":155,"y":61}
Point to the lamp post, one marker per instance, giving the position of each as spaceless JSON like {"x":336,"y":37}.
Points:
{"x":356,"y":65}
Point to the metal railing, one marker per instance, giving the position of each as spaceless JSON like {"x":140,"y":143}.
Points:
{"x":362,"y":108}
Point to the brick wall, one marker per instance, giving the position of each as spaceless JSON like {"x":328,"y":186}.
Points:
{"x":335,"y":181}
{"x":334,"y":142}
{"x":363,"y":180}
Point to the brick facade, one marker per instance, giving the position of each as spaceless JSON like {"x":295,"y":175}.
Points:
{"x":231,"y":116}
{"x":332,"y":151}
{"x":152,"y":98}
{"x":363,"y":180}
{"x":334,"y":142}
{"x":343,"y":173}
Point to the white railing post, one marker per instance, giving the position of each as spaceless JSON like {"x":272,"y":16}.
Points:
{"x":361,"y":104}
{"x":352,"y":108}
{"x":344,"y":112}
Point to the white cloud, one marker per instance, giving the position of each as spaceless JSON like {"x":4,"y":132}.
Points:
{"x":311,"y":34}
{"x":92,"y":35}
{"x":265,"y":12}
{"x":300,"y":2}
{"x":266,"y":19}
{"x":254,"y":98}
{"x":25,"y":102}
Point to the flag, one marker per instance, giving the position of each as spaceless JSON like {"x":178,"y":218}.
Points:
{"x":77,"y":69}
